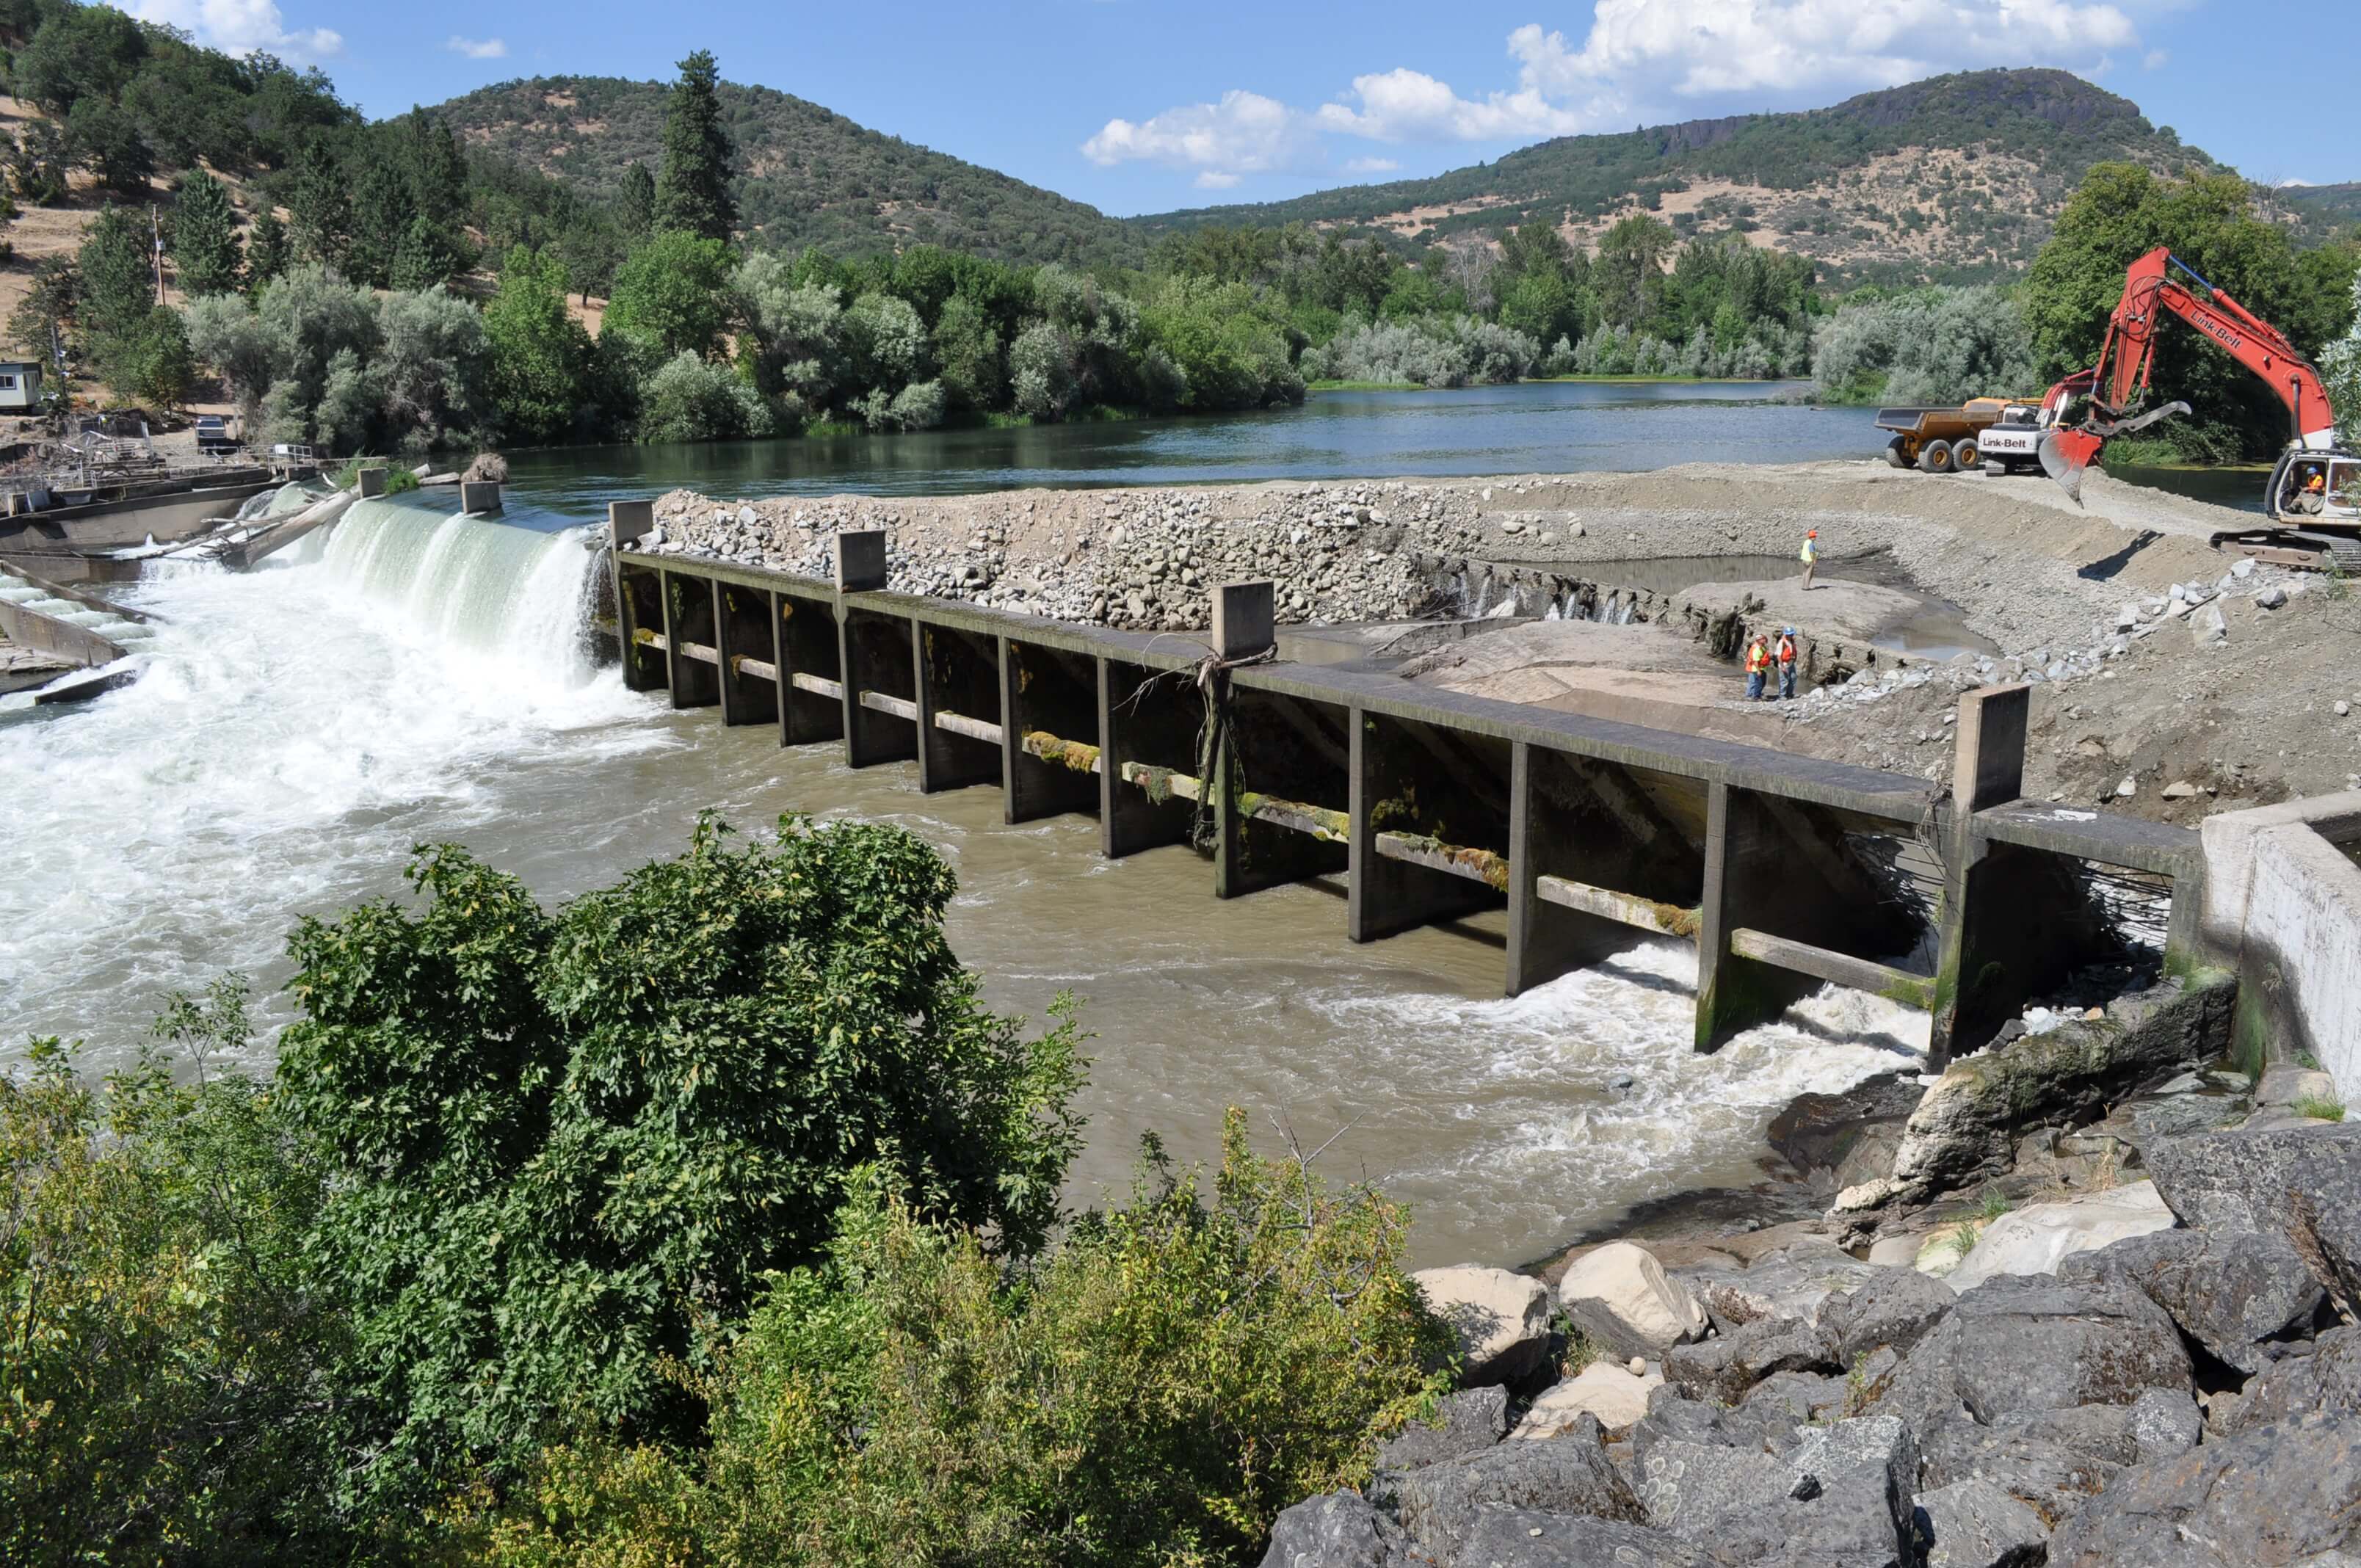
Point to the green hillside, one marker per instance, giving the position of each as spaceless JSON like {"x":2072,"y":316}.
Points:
{"x":1955,"y":178}
{"x":2323,"y":209}
{"x":806,"y":176}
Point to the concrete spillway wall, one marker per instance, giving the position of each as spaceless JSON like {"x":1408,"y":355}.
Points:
{"x":1430,"y":804}
{"x":2283,"y":909}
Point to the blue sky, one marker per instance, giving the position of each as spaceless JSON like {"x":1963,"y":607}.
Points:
{"x":1138,"y":107}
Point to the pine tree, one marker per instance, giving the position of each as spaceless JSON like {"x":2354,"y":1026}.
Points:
{"x":118,"y":291}
{"x":639,"y":214}
{"x":381,"y":216}
{"x":693,"y":191}
{"x":268,"y":257}
{"x":428,"y":254}
{"x":438,"y":177}
{"x":322,"y":212}
{"x":206,"y":244}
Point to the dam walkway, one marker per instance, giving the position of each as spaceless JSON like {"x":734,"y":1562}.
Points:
{"x":1786,"y":872}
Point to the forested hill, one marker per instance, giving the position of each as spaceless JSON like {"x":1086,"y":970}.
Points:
{"x":805,"y":176}
{"x":1955,"y":179}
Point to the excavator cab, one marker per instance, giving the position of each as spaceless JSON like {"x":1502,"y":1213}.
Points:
{"x":2310,"y":487}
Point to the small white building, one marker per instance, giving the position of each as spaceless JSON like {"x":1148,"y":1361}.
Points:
{"x":21,"y":383}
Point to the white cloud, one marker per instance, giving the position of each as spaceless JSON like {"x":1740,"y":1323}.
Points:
{"x":1215,"y":179}
{"x":477,"y":48}
{"x":1371,"y":166}
{"x":1641,"y":60}
{"x":242,"y":28}
{"x":1245,"y":133}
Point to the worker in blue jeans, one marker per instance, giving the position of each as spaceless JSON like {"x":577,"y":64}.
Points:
{"x":1758,"y":664}
{"x":1786,"y":657}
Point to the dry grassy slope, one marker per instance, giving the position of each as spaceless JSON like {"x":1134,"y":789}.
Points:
{"x":1954,"y":178}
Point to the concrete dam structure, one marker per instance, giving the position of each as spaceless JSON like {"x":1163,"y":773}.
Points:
{"x":1786,"y":873}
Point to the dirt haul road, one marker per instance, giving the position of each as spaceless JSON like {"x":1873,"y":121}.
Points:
{"x":2221,"y":693}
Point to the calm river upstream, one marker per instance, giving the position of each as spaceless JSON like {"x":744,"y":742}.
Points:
{"x":422,"y":679}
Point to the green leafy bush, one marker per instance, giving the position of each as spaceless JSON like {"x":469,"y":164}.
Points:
{"x":559,"y":1145}
{"x":164,"y":1395}
{"x":1153,"y":1392}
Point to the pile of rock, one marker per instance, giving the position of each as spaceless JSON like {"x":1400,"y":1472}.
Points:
{"x":1140,"y":558}
{"x":2188,"y":1394}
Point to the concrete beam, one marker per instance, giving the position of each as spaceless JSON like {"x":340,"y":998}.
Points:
{"x":1245,"y":620}
{"x":958,"y":675}
{"x":1402,"y":789}
{"x":875,"y":654}
{"x":639,"y":617}
{"x":688,"y":617}
{"x":811,"y":697}
{"x":859,"y":555}
{"x":749,"y":678}
{"x":1146,"y":721}
{"x":1042,"y":689}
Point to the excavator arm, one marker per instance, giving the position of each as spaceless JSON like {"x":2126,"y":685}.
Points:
{"x":2120,"y":379}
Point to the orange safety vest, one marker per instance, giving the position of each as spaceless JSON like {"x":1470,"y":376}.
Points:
{"x":1758,"y":658}
{"x":1787,"y":649}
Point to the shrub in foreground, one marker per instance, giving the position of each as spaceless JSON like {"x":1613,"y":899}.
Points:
{"x":1152,"y":1392}
{"x":561,"y":1147}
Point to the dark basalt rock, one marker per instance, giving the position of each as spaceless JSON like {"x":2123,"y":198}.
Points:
{"x":1894,"y":1306}
{"x":1513,"y":1538}
{"x":1339,"y":1530}
{"x":1439,"y":1506}
{"x":2303,"y":1184}
{"x":1472,"y":1420}
{"x":2288,"y":1493}
{"x":2241,"y":1294}
{"x":2031,"y":1343}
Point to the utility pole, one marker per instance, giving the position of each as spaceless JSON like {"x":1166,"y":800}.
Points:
{"x":155,"y":228}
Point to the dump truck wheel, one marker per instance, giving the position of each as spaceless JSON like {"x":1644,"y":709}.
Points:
{"x":1897,"y":451}
{"x":1935,"y":457}
{"x":1964,"y":455}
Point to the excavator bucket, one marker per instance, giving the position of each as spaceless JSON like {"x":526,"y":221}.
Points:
{"x":2065,"y":453}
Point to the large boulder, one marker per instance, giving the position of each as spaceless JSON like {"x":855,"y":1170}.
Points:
{"x":1722,"y":1369}
{"x":1893,"y":1308}
{"x":2327,"y":1383}
{"x":1513,"y":1538}
{"x":2029,"y":1342}
{"x":1339,"y":1530}
{"x":1621,"y":1300}
{"x":1440,"y":1505}
{"x":1500,"y":1318}
{"x":2035,"y":1239}
{"x":2243,"y":1295}
{"x":1467,"y":1422}
{"x":2303,"y":1184}
{"x":1840,"y":1498}
{"x":1789,"y":1282}
{"x":1974,"y":1524}
{"x":2282,"y":1495}
{"x":1608,"y":1394}
{"x":1966,"y":1127}
{"x":2057,"y":1459}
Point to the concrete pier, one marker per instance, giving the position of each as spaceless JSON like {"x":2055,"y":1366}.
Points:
{"x":1431,"y":805}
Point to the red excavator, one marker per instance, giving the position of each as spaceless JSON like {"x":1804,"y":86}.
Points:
{"x":2315,"y":489}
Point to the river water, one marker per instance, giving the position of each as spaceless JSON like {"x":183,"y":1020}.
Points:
{"x":416,"y":678}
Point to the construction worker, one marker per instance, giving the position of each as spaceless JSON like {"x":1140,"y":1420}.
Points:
{"x":1787,"y":664}
{"x":1758,"y":664}
{"x":2315,"y":494}
{"x":1809,"y":555}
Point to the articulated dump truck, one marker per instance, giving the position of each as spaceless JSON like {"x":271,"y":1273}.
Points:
{"x":2001,"y":435}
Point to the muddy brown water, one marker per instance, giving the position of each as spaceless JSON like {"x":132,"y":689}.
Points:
{"x":299,"y":730}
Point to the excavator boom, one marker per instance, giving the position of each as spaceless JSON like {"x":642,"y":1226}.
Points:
{"x":2117,"y":382}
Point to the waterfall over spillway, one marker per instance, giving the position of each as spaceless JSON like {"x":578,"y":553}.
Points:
{"x":476,"y":585}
